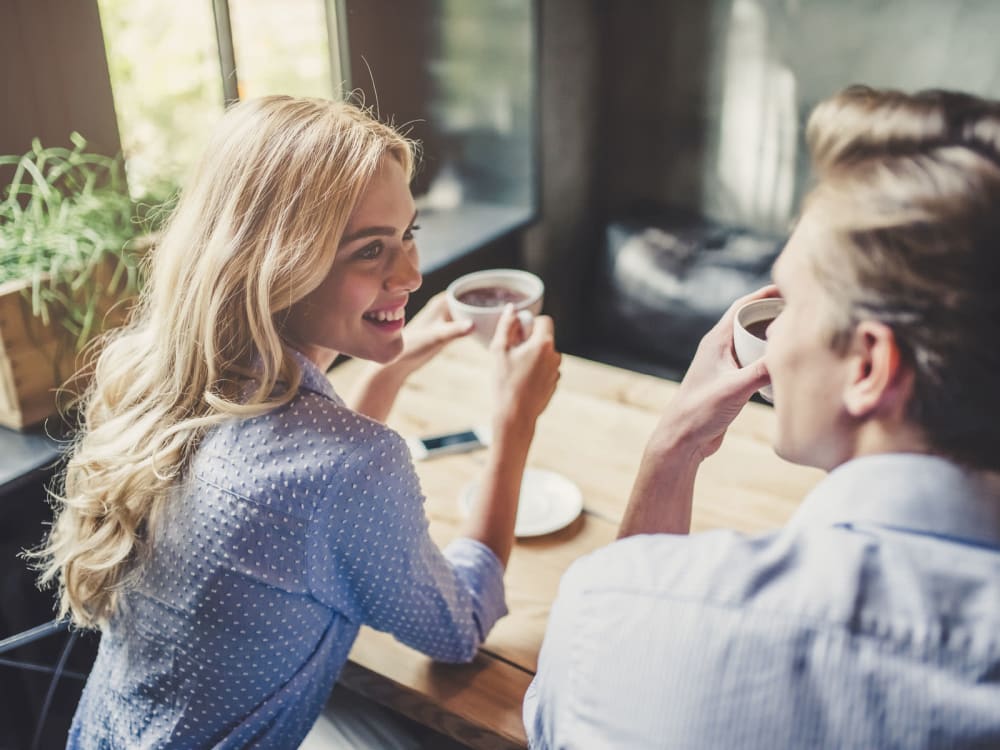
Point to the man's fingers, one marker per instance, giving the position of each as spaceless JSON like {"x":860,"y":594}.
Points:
{"x":770,"y":290}
{"x":751,"y":378}
{"x":723,"y":329}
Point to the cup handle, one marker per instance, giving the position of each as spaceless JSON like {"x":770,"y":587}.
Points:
{"x":527,"y":320}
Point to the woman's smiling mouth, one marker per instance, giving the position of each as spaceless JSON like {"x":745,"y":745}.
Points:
{"x":387,"y":319}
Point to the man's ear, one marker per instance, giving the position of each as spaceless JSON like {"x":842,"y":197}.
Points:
{"x":878,"y":381}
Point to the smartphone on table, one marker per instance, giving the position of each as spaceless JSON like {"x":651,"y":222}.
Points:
{"x":442,"y":444}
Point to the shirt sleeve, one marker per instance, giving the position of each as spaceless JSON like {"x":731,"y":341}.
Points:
{"x":374,"y":561}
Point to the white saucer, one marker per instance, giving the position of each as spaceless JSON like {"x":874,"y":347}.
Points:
{"x":549,"y":502}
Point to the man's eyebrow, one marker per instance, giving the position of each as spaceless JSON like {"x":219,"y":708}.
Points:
{"x":376,"y":231}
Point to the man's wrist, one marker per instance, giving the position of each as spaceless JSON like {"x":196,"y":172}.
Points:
{"x":671,"y":443}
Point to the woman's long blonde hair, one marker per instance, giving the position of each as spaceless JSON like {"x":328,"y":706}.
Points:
{"x":255,"y":231}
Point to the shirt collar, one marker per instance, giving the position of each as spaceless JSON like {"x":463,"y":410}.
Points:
{"x":314,"y":379}
{"x":911,"y":492}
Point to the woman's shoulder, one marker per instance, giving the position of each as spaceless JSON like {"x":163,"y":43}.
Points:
{"x":308,"y":422}
{"x":314,"y":417}
{"x":307,"y":442}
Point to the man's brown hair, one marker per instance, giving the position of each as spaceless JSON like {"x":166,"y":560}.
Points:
{"x":910,"y":187}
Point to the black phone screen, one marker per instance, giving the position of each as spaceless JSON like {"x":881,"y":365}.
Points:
{"x":437,"y":442}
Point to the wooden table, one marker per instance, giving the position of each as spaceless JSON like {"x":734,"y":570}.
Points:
{"x":593,"y":432}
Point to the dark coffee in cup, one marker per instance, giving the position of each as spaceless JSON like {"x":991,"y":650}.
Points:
{"x":480,"y":297}
{"x":759,"y":328}
{"x":491,"y":296}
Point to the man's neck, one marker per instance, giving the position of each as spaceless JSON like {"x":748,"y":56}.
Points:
{"x":879,"y":436}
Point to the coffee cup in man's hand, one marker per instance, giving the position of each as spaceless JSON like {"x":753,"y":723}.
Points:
{"x":750,"y":333}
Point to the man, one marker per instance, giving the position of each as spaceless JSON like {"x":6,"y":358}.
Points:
{"x":872,"y":620}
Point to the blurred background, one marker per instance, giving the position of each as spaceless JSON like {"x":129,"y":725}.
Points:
{"x":645,"y":157}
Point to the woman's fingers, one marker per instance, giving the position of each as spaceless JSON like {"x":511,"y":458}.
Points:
{"x":452,"y":329}
{"x":435,"y":309}
{"x":508,"y":332}
{"x":543,"y":327}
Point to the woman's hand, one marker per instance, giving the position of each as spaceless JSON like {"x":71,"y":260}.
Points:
{"x":525,"y":375}
{"x":427,"y":334}
{"x":424,"y":336}
{"x":526,"y":369}
{"x":714,"y":389}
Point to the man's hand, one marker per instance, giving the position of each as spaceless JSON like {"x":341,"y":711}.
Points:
{"x":713,"y":392}
{"x":715,"y":388}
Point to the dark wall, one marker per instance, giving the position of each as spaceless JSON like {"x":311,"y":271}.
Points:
{"x":704,"y":101}
{"x":655,"y":100}
{"x":700,"y":105}
{"x":385,"y":39}
{"x":560,"y":247}
{"x":54,"y":76}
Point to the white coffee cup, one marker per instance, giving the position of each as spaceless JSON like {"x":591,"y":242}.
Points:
{"x":482,"y":295}
{"x":749,"y":340}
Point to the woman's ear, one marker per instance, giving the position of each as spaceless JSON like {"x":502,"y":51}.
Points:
{"x":878,"y":381}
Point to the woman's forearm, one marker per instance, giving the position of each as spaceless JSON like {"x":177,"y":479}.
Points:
{"x":492,"y":520}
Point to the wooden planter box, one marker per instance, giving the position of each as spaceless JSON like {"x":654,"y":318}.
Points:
{"x":38,"y":363}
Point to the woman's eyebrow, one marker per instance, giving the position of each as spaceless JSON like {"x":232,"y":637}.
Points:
{"x":378,"y":231}
{"x":375,"y":231}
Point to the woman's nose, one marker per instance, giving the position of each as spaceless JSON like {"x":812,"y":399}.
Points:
{"x":405,"y":273}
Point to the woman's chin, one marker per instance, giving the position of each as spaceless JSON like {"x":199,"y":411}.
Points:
{"x":385,"y":354}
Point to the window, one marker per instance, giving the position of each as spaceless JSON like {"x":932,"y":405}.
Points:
{"x":282,"y":47}
{"x":172,"y":63}
{"x":164,"y":65}
{"x":457,"y":75}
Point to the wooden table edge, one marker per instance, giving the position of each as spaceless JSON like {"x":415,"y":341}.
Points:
{"x":473,"y":727}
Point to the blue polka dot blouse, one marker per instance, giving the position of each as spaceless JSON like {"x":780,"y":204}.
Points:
{"x":291,"y":531}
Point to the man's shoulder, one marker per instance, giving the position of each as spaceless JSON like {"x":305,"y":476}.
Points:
{"x":819,"y":615}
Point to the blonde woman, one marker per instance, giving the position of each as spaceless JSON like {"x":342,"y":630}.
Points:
{"x":228,"y":522}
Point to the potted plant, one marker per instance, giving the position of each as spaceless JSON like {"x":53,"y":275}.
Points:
{"x":71,"y":244}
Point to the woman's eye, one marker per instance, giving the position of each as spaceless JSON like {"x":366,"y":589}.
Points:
{"x":369,"y":252}
{"x":408,"y":234}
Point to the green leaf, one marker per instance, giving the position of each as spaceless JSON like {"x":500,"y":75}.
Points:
{"x":63,"y":213}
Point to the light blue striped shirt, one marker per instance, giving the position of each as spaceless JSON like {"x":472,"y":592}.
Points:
{"x":292,"y":530}
{"x":872,"y":620}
